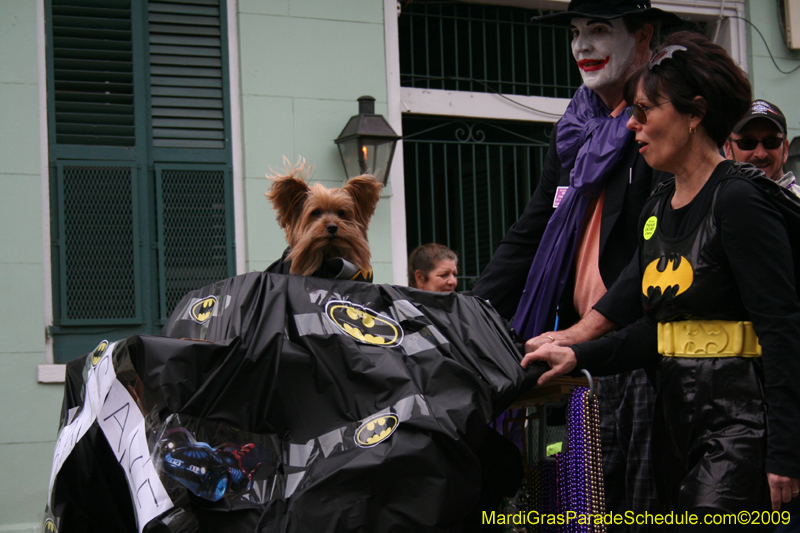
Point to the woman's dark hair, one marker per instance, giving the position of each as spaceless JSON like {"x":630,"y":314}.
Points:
{"x":425,"y":258}
{"x":704,"y":69}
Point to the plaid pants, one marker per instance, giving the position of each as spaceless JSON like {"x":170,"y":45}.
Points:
{"x":626,"y":414}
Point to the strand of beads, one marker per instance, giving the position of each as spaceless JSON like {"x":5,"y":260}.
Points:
{"x":549,"y":497}
{"x":575,"y":482}
{"x":598,"y":485}
{"x":576,"y":428}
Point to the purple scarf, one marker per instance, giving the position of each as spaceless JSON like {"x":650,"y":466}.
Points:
{"x":592,"y":144}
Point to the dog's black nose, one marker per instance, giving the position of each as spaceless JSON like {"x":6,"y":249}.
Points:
{"x":332,"y":228}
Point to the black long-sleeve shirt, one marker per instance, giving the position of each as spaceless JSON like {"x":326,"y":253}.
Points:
{"x":756,"y":246}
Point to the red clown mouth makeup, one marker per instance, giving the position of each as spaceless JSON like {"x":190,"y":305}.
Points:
{"x":590,"y":65}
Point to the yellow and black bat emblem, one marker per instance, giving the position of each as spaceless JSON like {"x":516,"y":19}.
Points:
{"x":49,"y":526}
{"x":98,"y":352}
{"x":202,"y":310}
{"x":674,"y":275}
{"x":364,"y":324}
{"x":362,"y":275}
{"x":376,"y":429}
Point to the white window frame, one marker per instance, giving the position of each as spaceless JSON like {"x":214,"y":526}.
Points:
{"x":730,"y":33}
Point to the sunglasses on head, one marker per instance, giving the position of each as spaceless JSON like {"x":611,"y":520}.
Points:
{"x":639,"y":111}
{"x":748,"y":143}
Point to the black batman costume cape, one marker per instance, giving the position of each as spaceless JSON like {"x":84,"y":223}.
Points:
{"x":285,"y":403}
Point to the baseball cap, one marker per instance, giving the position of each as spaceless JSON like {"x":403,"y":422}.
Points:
{"x":762,"y":109}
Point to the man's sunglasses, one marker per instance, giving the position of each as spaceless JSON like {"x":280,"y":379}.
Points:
{"x":639,"y":111}
{"x":748,"y":143}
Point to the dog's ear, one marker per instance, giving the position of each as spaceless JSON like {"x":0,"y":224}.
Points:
{"x":288,"y":193}
{"x":365,"y":191}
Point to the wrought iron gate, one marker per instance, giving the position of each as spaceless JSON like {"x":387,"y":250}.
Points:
{"x":467,"y":181}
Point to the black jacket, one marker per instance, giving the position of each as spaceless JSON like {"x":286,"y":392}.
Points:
{"x":503,"y":279}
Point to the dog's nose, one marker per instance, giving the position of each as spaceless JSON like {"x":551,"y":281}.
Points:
{"x":332,"y":228}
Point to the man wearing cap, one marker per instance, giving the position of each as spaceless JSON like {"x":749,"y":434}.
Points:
{"x":760,"y":139}
{"x":578,"y":231}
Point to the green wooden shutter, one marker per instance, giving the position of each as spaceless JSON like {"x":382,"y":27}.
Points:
{"x":186,"y":74}
{"x":141,"y":183}
{"x":93,"y":72}
{"x":99,"y":243}
{"x":195,"y":221}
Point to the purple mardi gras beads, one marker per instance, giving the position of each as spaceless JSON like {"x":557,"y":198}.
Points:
{"x":583,"y":463}
{"x":575,"y":481}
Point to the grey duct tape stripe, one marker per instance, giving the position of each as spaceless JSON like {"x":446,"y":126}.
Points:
{"x":347,"y":438}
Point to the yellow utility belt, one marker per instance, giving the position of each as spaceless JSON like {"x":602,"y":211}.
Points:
{"x":708,"y":338}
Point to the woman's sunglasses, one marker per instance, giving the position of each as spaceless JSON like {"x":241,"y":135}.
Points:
{"x":748,"y":143}
{"x":639,"y":111}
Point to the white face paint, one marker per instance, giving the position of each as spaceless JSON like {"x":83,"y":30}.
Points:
{"x":604,"y":50}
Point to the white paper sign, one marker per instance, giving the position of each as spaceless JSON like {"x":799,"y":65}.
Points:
{"x":98,"y":381}
{"x":107,"y":401}
{"x":123,"y":425}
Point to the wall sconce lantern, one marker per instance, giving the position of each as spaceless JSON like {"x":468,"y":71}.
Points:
{"x":367,"y":143}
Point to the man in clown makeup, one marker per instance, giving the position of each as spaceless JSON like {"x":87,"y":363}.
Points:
{"x":578,"y":231}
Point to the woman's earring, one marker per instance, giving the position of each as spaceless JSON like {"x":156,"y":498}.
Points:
{"x":692,"y":130}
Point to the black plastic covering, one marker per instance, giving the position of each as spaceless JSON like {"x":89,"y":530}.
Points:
{"x":288,"y":403}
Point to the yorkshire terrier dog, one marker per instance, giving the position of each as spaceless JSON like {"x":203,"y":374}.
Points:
{"x":323,"y":224}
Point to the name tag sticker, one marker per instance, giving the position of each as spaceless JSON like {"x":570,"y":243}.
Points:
{"x":560,"y":192}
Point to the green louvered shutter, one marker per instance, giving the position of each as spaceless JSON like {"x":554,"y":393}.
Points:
{"x":186,"y":74}
{"x":93,"y":73}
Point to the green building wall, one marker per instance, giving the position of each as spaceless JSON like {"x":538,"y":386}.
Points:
{"x":30,"y":410}
{"x":303,"y":65}
{"x":768,"y":82}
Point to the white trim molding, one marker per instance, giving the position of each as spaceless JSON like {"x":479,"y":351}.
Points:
{"x":397,"y":203}
{"x":236,"y":136}
{"x":482,"y":105}
{"x":44,"y":169}
{"x":51,"y":373}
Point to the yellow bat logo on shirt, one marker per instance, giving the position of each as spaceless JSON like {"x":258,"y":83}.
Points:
{"x":663,"y":275}
{"x":375,"y":430}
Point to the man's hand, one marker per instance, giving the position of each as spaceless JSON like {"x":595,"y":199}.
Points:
{"x":560,"y":338}
{"x":560,"y":358}
{"x":781,"y":488}
{"x":592,"y":326}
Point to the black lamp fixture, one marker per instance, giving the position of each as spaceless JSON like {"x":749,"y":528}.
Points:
{"x":367,"y":143}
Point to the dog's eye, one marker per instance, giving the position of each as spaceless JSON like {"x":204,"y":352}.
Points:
{"x":340,"y":214}
{"x":316,"y":213}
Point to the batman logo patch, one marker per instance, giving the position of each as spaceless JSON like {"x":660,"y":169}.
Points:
{"x":667,"y":277}
{"x":202,"y":310}
{"x":364,"y":324}
{"x":49,"y":526}
{"x":376,"y":429}
{"x":98,"y":352}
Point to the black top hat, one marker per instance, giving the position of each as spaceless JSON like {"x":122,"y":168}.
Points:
{"x":611,"y":9}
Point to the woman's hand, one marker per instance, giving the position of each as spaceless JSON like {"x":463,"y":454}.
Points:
{"x":560,"y":358}
{"x":781,"y":488}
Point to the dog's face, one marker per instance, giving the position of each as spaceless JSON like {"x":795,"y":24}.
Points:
{"x":322,"y":223}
